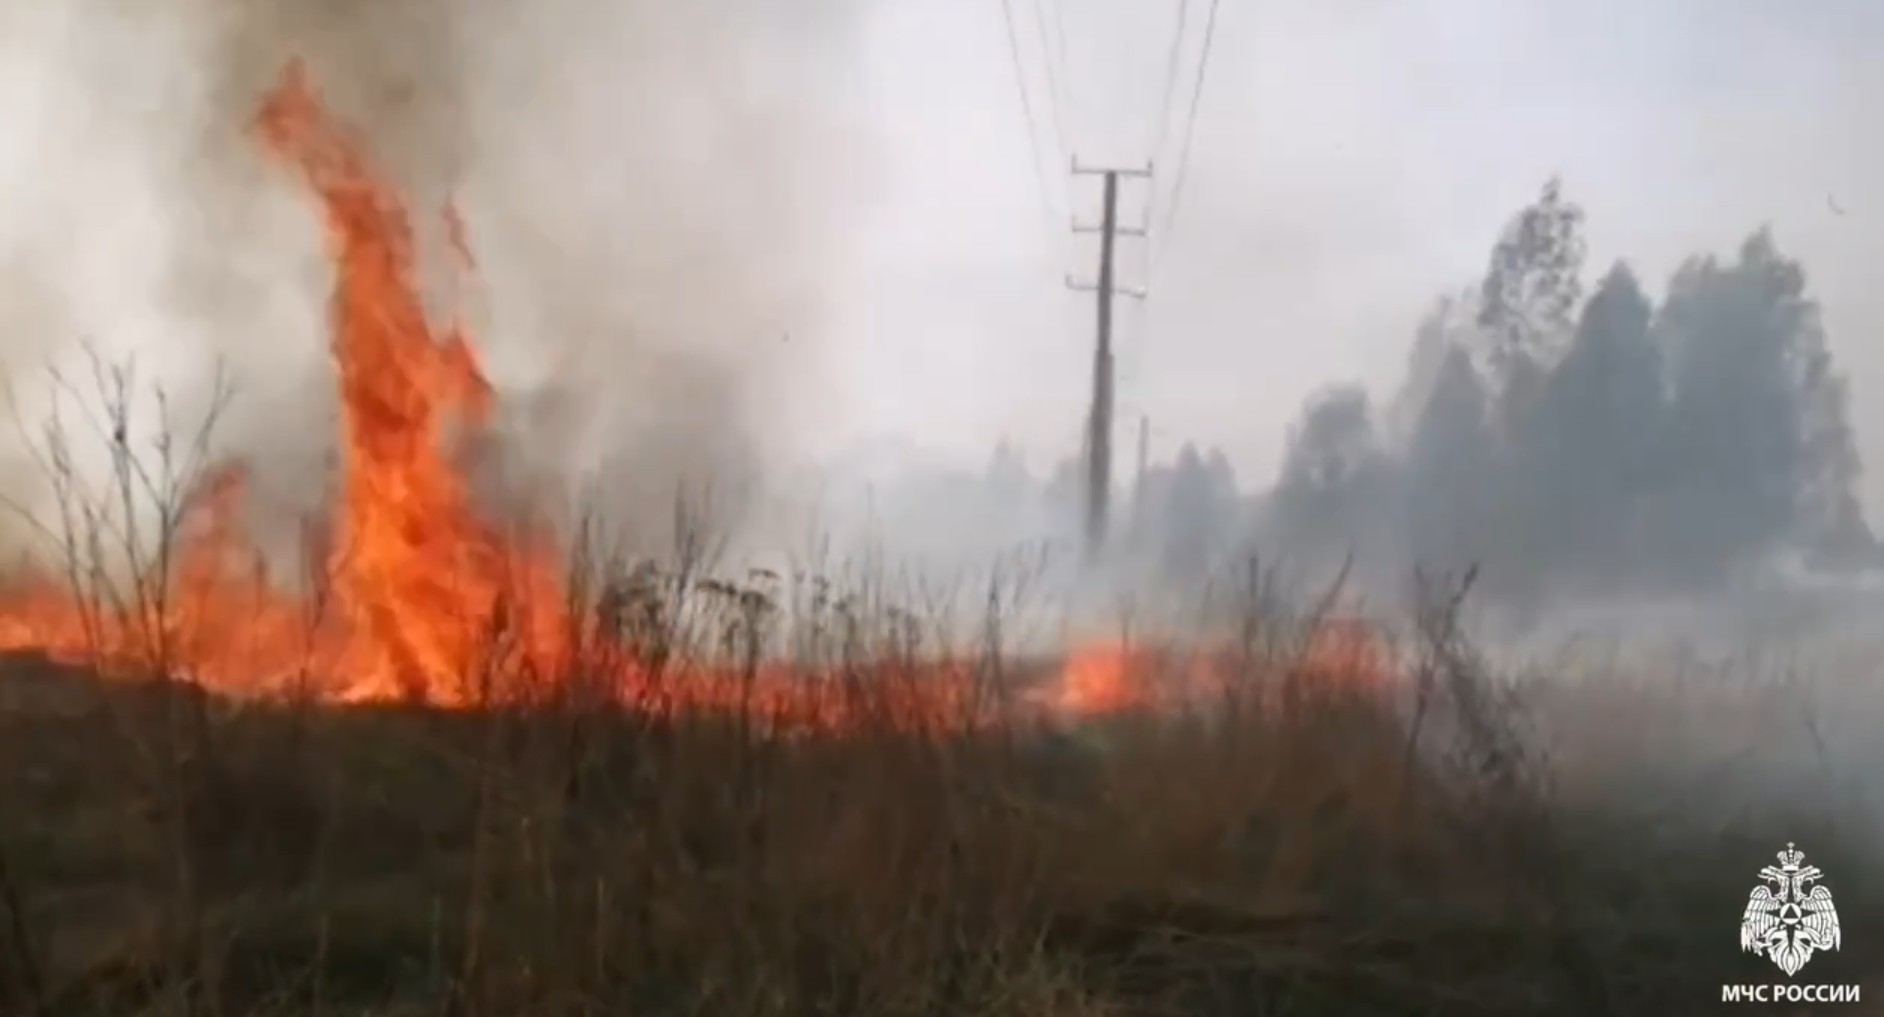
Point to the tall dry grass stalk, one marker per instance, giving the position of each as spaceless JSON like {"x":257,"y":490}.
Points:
{"x":1294,"y":845}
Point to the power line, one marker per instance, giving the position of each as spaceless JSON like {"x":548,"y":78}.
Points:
{"x":1190,"y":133}
{"x":1173,"y":61}
{"x":1056,"y":81}
{"x":1170,"y":78}
{"x":1027,"y":113}
{"x":1190,"y":120}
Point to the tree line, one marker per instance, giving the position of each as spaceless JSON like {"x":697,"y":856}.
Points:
{"x":1564,"y":440}
{"x":1579,"y":443}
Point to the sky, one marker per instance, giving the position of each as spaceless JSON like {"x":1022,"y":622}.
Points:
{"x":815,"y":230}
{"x":1351,"y":160}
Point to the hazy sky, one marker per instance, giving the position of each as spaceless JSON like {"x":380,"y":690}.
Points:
{"x":1352,"y":159}
{"x":705,"y":178}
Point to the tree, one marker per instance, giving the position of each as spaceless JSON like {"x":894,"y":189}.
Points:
{"x":1834,"y":532}
{"x":1200,"y":511}
{"x":1335,"y":475}
{"x":1584,"y":447}
{"x":1757,"y":439}
{"x":1450,"y":322}
{"x":1529,"y":297}
{"x":1587,"y":460}
{"x":1448,"y":467}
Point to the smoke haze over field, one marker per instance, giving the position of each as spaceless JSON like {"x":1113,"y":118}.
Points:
{"x":657,"y":199}
{"x":1353,"y":161}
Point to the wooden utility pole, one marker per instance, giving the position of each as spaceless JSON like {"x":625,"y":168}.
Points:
{"x":1099,"y":418}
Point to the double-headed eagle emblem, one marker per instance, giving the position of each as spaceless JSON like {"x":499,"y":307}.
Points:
{"x":1789,"y":917}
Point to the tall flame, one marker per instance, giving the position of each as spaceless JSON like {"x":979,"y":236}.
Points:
{"x":419,"y":588}
{"x":419,"y":575}
{"x":419,"y":581}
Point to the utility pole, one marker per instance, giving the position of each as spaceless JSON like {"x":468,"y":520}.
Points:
{"x":1099,"y":419}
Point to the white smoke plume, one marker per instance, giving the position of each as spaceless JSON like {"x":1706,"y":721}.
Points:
{"x":650,"y":191}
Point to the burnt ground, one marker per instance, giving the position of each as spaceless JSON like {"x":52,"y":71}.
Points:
{"x":168,"y":854}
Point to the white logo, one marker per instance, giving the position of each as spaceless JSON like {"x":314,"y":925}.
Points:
{"x":1790,"y":917}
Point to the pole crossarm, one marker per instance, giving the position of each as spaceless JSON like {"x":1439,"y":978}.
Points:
{"x":1082,"y":170}
{"x":1135,"y":292}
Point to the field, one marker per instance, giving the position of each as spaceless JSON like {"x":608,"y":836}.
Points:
{"x":475,"y":769}
{"x":1293,"y":848}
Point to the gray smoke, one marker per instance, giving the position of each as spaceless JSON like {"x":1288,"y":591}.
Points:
{"x":652,"y":192}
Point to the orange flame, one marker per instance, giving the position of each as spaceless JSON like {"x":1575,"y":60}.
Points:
{"x":1097,"y":679}
{"x":419,"y":580}
{"x":1103,"y":678}
{"x":419,"y":576}
{"x":423,"y":589}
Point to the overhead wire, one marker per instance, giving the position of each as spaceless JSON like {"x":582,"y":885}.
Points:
{"x":1162,"y":244}
{"x":1170,"y":78}
{"x":1027,"y":114}
{"x":1172,"y":63}
{"x":1190,"y":134}
{"x":1056,"y":78}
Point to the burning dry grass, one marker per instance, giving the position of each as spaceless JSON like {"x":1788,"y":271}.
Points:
{"x":169,"y":853}
{"x":628,"y":805}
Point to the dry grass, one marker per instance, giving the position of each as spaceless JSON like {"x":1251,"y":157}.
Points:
{"x":1294,"y":849}
{"x":570,"y":860}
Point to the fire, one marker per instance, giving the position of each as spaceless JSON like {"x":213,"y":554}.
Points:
{"x":1103,"y":678}
{"x":1097,"y":679}
{"x":419,"y":581}
{"x":422,"y":597}
{"x":419,"y":575}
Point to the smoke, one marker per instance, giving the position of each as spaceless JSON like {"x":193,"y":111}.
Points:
{"x":658,"y":197}
{"x":1601,"y":445}
{"x":1569,"y":436}
{"x":680,"y":271}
